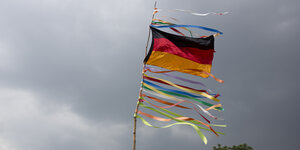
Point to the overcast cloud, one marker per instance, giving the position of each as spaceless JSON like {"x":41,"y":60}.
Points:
{"x":70,"y":73}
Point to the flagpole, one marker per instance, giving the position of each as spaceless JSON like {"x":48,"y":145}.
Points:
{"x":141,"y":89}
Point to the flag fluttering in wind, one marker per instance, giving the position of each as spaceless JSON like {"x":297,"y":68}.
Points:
{"x":181,"y":53}
{"x":159,"y":96}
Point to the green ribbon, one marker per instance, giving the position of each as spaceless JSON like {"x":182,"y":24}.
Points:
{"x":197,"y":128}
{"x":194,"y":126}
{"x":178,"y":115}
{"x":184,"y":96}
{"x":191,"y":122}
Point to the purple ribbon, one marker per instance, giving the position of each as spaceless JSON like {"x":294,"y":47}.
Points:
{"x":176,"y":77}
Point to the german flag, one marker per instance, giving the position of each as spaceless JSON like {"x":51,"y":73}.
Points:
{"x":180,"y":53}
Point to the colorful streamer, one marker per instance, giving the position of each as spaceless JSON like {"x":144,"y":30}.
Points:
{"x":171,"y":95}
{"x":170,"y":90}
{"x":217,"y":106}
{"x":197,"y":128}
{"x":177,"y":105}
{"x":148,"y":124}
{"x":188,"y":89}
{"x":174,"y":118}
{"x":178,"y":118}
{"x":181,"y":102}
{"x":192,"y":121}
{"x":153,"y":70}
{"x":162,"y":82}
{"x":165,"y":102}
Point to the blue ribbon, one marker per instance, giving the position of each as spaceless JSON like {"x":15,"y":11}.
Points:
{"x":170,"y":90}
{"x":188,"y":26}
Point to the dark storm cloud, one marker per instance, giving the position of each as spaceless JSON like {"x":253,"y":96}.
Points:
{"x":77,"y":65}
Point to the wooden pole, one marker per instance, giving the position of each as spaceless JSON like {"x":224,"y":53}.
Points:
{"x":141,"y":89}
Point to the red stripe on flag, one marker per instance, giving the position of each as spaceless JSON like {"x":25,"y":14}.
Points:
{"x":190,"y":53}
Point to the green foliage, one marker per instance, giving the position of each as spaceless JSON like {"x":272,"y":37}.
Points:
{"x":238,"y":147}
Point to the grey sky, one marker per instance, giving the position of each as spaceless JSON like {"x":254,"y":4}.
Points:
{"x":70,"y":73}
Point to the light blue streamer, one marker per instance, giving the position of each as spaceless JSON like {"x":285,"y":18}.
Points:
{"x":188,"y":26}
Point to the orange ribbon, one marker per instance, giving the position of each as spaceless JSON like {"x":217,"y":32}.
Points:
{"x":165,"y":102}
